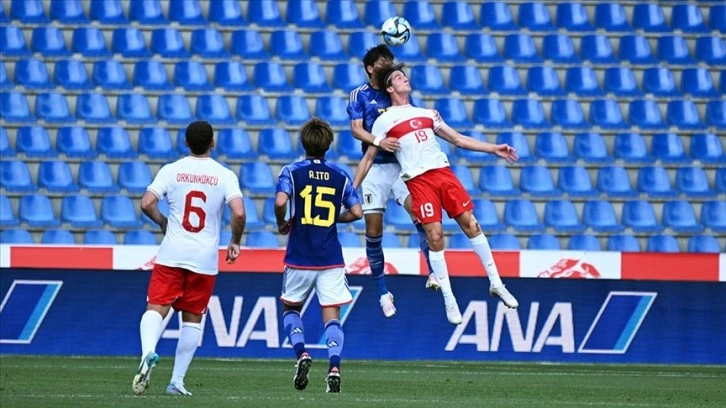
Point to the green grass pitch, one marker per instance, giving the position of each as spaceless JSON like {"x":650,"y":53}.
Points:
{"x":38,"y":381}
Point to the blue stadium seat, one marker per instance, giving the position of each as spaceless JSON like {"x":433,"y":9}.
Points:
{"x":486,"y":215}
{"x":34,"y":141}
{"x":257,"y":178}
{"x":14,"y":107}
{"x":716,"y":113}
{"x":376,"y":12}
{"x":468,"y":80}
{"x":650,"y":18}
{"x":214,"y":109}
{"x":168,"y":43}
{"x":707,"y":147}
{"x":332,"y":109}
{"x":623,"y":243}
{"x":292,"y":109}
{"x":287,"y":45}
{"x":347,"y":76}
{"x":636,"y":49}
{"x":348,"y":146}
{"x":107,"y":12}
{"x":711,"y":50}
{"x":660,"y":82}
{"x":37,"y":211}
{"x":119,"y":212}
{"x":582,"y":81}
{"x":520,"y":48}
{"x":134,"y":108}
{"x":134,"y":176}
{"x":481,"y":47}
{"x":397,"y":216}
{"x":343,"y":14}
{"x":497,"y":16}
{"x":688,"y":18}
{"x":573,"y":17}
{"x":71,"y":74}
{"x":543,"y":242}
{"x":95,"y":176}
{"x":253,"y":216}
{"x":265,"y":14}
{"x":535,"y":17}
{"x":89,"y":42}
{"x":262,"y":239}
{"x":12,"y":41}
{"x":151,"y":75}
{"x":232,"y":76}
{"x":597,"y":49}
{"x":693,"y":182}
{"x":713,"y":215}
{"x":226,"y":13}
{"x":271,"y":77}
{"x":74,"y":142}
{"x":631,"y":148}
{"x":139,"y":237}
{"x":537,"y":181}
{"x":57,"y":237}
{"x":254,"y":110}
{"x":645,"y":114}
{"x":7,"y":214}
{"x":174,"y":108}
{"x":674,"y":50}
{"x":268,"y":212}
{"x":458,"y":241}
{"x":304,"y":13}
{"x":56,"y":177}
{"x":543,"y":80}
{"x":717,"y":17}
{"x":32,"y":74}
{"x":155,"y":143}
{"x":192,"y":76}
{"x":497,"y":181}
{"x":562,"y":216}
{"x":28,"y":11}
{"x":552,"y":147}
{"x":410,"y":51}
{"x":276,"y":143}
{"x":420,"y":14}
{"x":600,"y":216}
{"x":15,"y":176}
{"x":575,"y":181}
{"x":614,"y":182}
{"x":93,"y":108}
{"x":310,"y":78}
{"x":703,"y":243}
{"x":668,"y":148}
{"x":584,"y":242}
{"x":208,"y":43}
{"x":6,"y":150}
{"x":621,"y":81}
{"x":559,"y":48}
{"x":680,"y":217}
{"x":110,"y":74}
{"x":147,"y":12}
{"x":52,"y":107}
{"x":428,"y":79}
{"x":591,"y":148}
{"x":568,"y":114}
{"x":640,"y":217}
{"x":360,"y":41}
{"x":48,"y":40}
{"x":720,"y":180}
{"x":444,"y":47}
{"x":684,"y":115}
{"x":234,"y":143}
{"x":68,"y":12}
{"x":505,"y":80}
{"x":655,"y":182}
{"x":606,"y":113}
{"x":504,"y":242}
{"x":698,"y":82}
{"x":248,"y":44}
{"x":15,"y":236}
{"x":349,"y":239}
{"x":4,"y":79}
{"x":188,"y":12}
{"x":453,"y":112}
{"x":459,"y":15}
{"x":662,"y":243}
{"x":114,"y":142}
{"x":327,"y":45}
{"x":463,"y":173}
{"x":522,"y":216}
{"x":520,"y":142}
{"x":3,"y":17}
{"x":79,"y":212}
{"x":99,"y":237}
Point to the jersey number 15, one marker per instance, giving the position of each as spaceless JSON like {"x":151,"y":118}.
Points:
{"x":320,"y":202}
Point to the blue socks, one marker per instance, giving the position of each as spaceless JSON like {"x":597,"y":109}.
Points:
{"x":294,"y":328}
{"x":423,"y":243}
{"x":374,"y":252}
{"x":334,"y":333}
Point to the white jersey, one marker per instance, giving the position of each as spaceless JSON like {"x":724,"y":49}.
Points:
{"x":197,"y":190}
{"x":415,"y":129}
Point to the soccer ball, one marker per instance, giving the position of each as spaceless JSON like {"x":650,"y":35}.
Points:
{"x":396,"y":31}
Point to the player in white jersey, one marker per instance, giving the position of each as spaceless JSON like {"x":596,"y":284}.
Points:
{"x":433,"y":186}
{"x":196,"y":188}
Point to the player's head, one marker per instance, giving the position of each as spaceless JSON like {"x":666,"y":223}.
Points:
{"x":392,"y":79}
{"x":199,"y":137}
{"x":316,"y":136}
{"x":375,"y":57}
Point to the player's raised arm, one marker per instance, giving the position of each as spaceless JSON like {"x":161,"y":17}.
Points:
{"x":364,"y":166}
{"x":504,"y":151}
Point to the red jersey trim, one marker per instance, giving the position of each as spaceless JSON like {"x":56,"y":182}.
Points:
{"x":418,"y":123}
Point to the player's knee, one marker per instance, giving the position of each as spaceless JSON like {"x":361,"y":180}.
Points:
{"x":474,"y":228}
{"x":436,"y":241}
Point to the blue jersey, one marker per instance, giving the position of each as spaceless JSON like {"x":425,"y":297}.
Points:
{"x":317,"y":191}
{"x":367,"y":103}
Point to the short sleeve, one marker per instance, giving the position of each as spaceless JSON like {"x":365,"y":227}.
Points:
{"x":160,"y":185}
{"x":231,"y":187}
{"x":284,"y":181}
{"x":356,"y":107}
{"x":350,"y":196}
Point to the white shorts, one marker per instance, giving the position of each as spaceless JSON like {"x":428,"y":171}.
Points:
{"x":382,"y":180}
{"x":330,"y":285}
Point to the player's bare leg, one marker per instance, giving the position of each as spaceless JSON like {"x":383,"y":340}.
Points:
{"x":431,"y":283}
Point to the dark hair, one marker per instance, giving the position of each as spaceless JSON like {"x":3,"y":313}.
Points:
{"x":383,"y":75}
{"x":199,"y":136}
{"x":374,"y":54}
{"x":316,"y":136}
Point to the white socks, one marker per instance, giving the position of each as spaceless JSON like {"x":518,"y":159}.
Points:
{"x":189,"y":338}
{"x":480,"y":244}
{"x":438,"y":264}
{"x":150,"y":329}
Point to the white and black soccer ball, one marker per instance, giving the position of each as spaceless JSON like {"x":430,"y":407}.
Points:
{"x":396,"y":31}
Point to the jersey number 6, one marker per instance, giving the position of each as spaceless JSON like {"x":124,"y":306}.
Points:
{"x":190,"y":208}
{"x":320,"y":202}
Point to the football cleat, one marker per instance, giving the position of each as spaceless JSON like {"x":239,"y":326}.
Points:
{"x":432,"y":283}
{"x":332,"y":381}
{"x":143,"y":375}
{"x":452,"y":312}
{"x":173,"y":389}
{"x":387,"y":305}
{"x":502,"y":293}
{"x":300,"y":380}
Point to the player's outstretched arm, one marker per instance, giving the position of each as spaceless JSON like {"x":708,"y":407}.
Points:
{"x":354,"y":213}
{"x":237,"y":225}
{"x":149,"y":205}
{"x":504,"y":151}
{"x":364,"y":166}
{"x":283,"y":225}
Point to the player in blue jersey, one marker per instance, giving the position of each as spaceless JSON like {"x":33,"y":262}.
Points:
{"x":316,"y":191}
{"x":366,"y":103}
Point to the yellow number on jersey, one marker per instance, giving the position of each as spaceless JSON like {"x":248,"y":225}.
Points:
{"x":320,"y":202}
